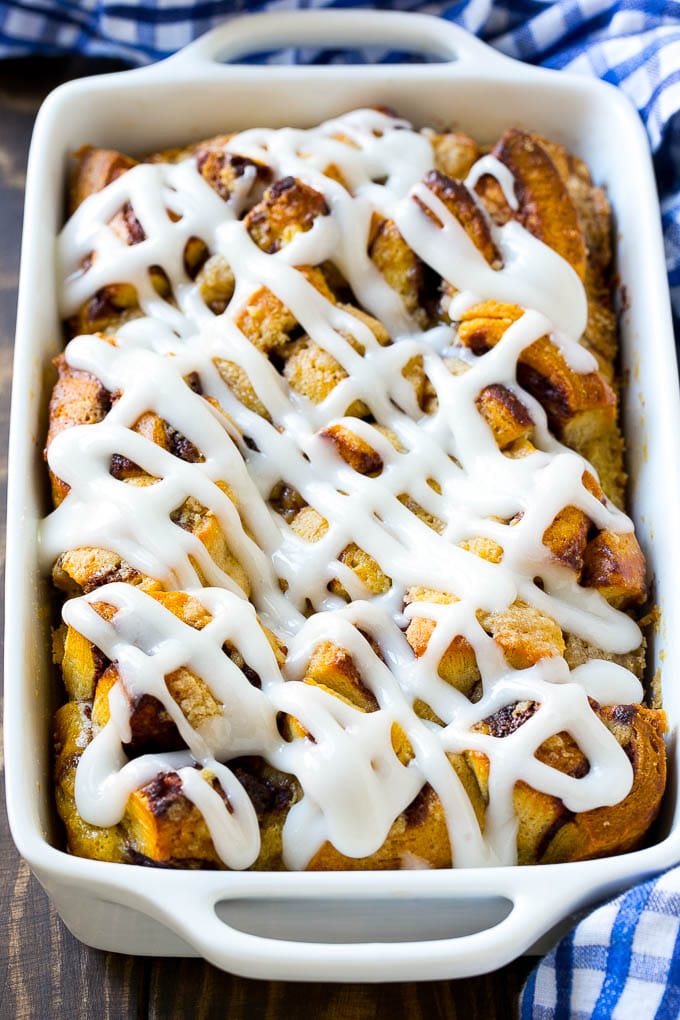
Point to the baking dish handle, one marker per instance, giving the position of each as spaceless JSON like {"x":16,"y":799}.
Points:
{"x":257,"y":33}
{"x":533,"y":910}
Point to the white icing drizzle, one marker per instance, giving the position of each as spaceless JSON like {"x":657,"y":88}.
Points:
{"x":532,"y":275}
{"x":490,"y":165}
{"x":352,"y":784}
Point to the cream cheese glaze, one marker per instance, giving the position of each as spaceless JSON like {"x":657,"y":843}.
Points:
{"x":353,"y":785}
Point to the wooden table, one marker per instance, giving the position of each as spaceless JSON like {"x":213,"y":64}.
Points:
{"x":44,"y":972}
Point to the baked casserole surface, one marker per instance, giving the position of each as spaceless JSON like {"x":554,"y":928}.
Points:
{"x":339,"y":537}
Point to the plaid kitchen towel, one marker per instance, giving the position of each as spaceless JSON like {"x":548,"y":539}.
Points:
{"x":634,"y":44}
{"x":621,"y":963}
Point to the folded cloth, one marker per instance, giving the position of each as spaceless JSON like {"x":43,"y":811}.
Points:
{"x":622,"y":962}
{"x":634,"y":44}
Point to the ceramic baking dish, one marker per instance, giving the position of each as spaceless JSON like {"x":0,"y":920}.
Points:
{"x":381,"y":926}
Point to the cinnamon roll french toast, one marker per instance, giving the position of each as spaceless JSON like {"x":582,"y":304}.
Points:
{"x":339,"y":535}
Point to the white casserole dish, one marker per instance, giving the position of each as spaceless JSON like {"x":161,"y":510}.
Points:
{"x":374,"y":926}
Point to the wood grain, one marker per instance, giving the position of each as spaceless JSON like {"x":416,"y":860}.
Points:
{"x":45,"y":973}
{"x":213,"y":995}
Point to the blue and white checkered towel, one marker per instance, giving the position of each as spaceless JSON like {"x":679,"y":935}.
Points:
{"x":620,"y":963}
{"x":623,"y":961}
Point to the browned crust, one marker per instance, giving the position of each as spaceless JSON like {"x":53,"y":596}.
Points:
{"x":455,"y":153}
{"x":549,"y":833}
{"x":288,"y":207}
{"x":359,"y":454}
{"x":546,"y":208}
{"x":78,"y":398}
{"x":460,"y":202}
{"x":505,"y":414}
{"x":400,"y":267}
{"x":222,"y":169}
{"x":93,"y":170}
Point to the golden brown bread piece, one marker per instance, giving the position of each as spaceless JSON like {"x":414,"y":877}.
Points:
{"x":266,"y":321}
{"x":313,"y":372}
{"x":455,"y":153}
{"x":222,"y":170}
{"x":399,"y":266}
{"x":505,"y":414}
{"x":547,"y":831}
{"x":92,"y":170}
{"x":545,"y":208}
{"x":418,"y":835}
{"x":524,"y":634}
{"x":459,"y":201}
{"x":78,"y":398}
{"x":72,"y":734}
{"x":359,"y":454}
{"x":287,"y":208}
{"x":581,"y":408}
{"x":566,"y":395}
{"x":309,"y":525}
{"x":117,"y":303}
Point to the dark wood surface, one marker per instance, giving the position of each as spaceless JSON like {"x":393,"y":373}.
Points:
{"x":44,"y":972}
